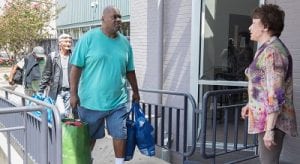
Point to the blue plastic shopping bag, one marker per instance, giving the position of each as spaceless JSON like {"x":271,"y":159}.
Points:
{"x":46,"y":100}
{"x":130,"y":141}
{"x":144,"y":132}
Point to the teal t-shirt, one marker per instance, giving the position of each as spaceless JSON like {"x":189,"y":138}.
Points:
{"x":104,"y":62}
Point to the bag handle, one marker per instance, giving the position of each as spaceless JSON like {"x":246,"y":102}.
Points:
{"x":138,"y":113}
{"x":73,"y":122}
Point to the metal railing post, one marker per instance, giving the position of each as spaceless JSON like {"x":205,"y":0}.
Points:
{"x":44,"y":137}
{"x":25,"y":139}
{"x":8,"y":147}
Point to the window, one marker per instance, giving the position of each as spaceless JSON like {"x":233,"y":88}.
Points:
{"x":227,"y":49}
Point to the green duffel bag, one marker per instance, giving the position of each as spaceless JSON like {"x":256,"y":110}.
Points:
{"x":75,"y":142}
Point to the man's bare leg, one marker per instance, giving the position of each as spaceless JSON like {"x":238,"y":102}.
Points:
{"x":119,"y":148}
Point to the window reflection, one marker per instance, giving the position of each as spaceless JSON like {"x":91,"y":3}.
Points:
{"x":235,"y":58}
{"x":227,"y":47}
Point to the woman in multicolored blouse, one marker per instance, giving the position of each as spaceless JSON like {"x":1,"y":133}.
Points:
{"x":270,"y":109}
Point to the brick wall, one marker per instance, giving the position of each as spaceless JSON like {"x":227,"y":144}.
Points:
{"x":169,"y":70}
{"x":138,"y":37}
{"x":177,"y":29}
{"x":176,"y":54}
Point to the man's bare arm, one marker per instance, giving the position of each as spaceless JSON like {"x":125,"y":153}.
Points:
{"x":12,"y":74}
{"x":74,"y":81}
{"x":133,"y":83}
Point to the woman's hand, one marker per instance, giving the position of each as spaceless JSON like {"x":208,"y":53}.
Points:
{"x":245,"y":111}
{"x":269,"y":139}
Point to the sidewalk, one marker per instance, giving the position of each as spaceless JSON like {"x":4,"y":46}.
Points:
{"x":103,"y":152}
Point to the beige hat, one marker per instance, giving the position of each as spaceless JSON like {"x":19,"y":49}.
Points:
{"x":39,"y":51}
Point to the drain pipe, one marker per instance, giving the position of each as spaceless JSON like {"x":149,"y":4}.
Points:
{"x":165,"y":154}
{"x":160,"y":44}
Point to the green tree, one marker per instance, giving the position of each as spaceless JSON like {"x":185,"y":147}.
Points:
{"x":24,"y":23}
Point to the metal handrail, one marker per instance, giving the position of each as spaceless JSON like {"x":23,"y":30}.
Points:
{"x":44,"y":128}
{"x":56,"y":119}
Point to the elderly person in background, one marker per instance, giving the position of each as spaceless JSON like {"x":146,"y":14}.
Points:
{"x":57,"y":75}
{"x":33,"y":66}
{"x":270,"y":110}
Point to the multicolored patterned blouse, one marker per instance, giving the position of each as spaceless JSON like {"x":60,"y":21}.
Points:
{"x":270,"y":88}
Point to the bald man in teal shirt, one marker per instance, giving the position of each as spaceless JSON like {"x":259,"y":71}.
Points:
{"x":101,"y":63}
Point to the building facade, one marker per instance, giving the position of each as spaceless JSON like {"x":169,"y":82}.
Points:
{"x":180,"y":46}
{"x":78,"y":16}
{"x":185,"y":45}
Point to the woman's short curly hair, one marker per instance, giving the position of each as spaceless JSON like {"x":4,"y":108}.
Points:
{"x":271,"y":16}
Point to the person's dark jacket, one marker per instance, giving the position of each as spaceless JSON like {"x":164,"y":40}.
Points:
{"x":32,"y":70}
{"x":53,"y":75}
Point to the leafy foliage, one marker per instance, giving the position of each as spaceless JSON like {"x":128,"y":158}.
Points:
{"x":24,"y":23}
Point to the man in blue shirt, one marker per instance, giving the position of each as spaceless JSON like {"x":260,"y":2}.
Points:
{"x":101,"y":63}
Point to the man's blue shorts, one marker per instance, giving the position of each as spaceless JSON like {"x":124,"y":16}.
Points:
{"x":115,"y":122}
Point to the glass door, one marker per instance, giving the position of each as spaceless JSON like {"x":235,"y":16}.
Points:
{"x":226,"y":49}
{"x":225,"y":46}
